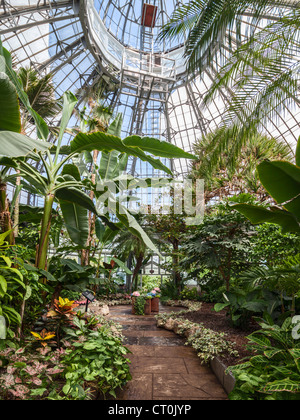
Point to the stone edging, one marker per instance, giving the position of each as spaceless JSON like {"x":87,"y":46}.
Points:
{"x":227,"y":380}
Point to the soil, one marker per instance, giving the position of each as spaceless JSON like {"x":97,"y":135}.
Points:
{"x":218,"y":321}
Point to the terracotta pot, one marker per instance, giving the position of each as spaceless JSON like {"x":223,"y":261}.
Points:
{"x":133,"y":303}
{"x":155,"y":305}
{"x":148,"y":305}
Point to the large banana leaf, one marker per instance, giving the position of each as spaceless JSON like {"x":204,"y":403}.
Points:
{"x":76,"y":196}
{"x":17,"y":145}
{"x":76,"y":222}
{"x":107,"y":143}
{"x":157,"y":147}
{"x":6,"y":67}
{"x":282,"y":181}
{"x":10,"y":119}
{"x":258,"y":215}
{"x":298,"y":154}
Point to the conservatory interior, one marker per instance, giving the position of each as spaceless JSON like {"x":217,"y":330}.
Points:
{"x":149,"y":201}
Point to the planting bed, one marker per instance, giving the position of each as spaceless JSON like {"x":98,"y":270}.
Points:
{"x":220,"y":322}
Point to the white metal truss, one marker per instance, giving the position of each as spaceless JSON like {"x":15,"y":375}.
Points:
{"x":84,"y":41}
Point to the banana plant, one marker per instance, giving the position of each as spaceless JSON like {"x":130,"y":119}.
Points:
{"x":13,"y":144}
{"x":61,"y":179}
{"x":56,"y":183}
{"x":113,"y":163}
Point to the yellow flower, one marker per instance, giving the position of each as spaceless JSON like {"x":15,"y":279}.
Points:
{"x":44,"y":336}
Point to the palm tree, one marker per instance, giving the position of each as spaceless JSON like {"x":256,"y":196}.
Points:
{"x":41,"y":94}
{"x":259,"y":67}
{"x":227,"y":173}
{"x":130,"y":247}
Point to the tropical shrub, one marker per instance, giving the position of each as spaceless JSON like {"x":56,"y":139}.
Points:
{"x":273,"y":373}
{"x":91,"y":361}
{"x":244,"y":303}
{"x":96,"y":358}
{"x":189,"y":294}
{"x":221,"y":245}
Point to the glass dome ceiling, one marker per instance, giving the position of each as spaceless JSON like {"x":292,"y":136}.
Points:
{"x":124,"y":19}
{"x":83,"y":43}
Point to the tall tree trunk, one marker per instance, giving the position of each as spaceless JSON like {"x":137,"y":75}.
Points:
{"x":42,"y":250}
{"x":139,"y":264}
{"x":5,"y":216}
{"x":85,"y":254}
{"x":17,"y":208}
{"x":176,"y":273}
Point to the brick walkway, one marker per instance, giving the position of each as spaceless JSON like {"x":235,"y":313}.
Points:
{"x":162,"y":367}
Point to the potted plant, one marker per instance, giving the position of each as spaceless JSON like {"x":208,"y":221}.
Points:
{"x":134,"y":297}
{"x":148,"y":304}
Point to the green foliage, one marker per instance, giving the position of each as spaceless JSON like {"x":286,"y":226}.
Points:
{"x":189,"y":294}
{"x":273,"y":372}
{"x":207,"y":343}
{"x":150,"y":282}
{"x":243,"y":303}
{"x":91,"y":361}
{"x":271,"y":247}
{"x":67,"y":274}
{"x":98,"y":358}
{"x":220,"y":244}
{"x":12,"y":285}
{"x":282,"y":181}
{"x":139,"y":305}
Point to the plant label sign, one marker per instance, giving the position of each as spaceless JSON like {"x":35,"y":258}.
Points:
{"x":89,"y":295}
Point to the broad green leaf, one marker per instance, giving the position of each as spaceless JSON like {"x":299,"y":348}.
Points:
{"x":2,"y":328}
{"x":99,"y":229}
{"x":285,"y":385}
{"x":76,"y":196}
{"x":76,"y":222}
{"x":17,"y":145}
{"x":298,"y":153}
{"x":220,"y":306}
{"x":122,"y":265}
{"x":107,"y":143}
{"x":69,"y":102}
{"x":258,"y":214}
{"x":3,"y":236}
{"x":3,"y":286}
{"x":70,"y":169}
{"x":115,"y":127}
{"x":11,"y":314}
{"x":28,"y":293}
{"x":157,"y":147}
{"x":42,"y":128}
{"x":108,"y":165}
{"x":254,"y":306}
{"x":10,"y":119}
{"x":282,"y":181}
{"x":260,"y":340}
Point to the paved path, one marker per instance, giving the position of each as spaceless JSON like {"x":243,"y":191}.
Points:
{"x":162,"y":367}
